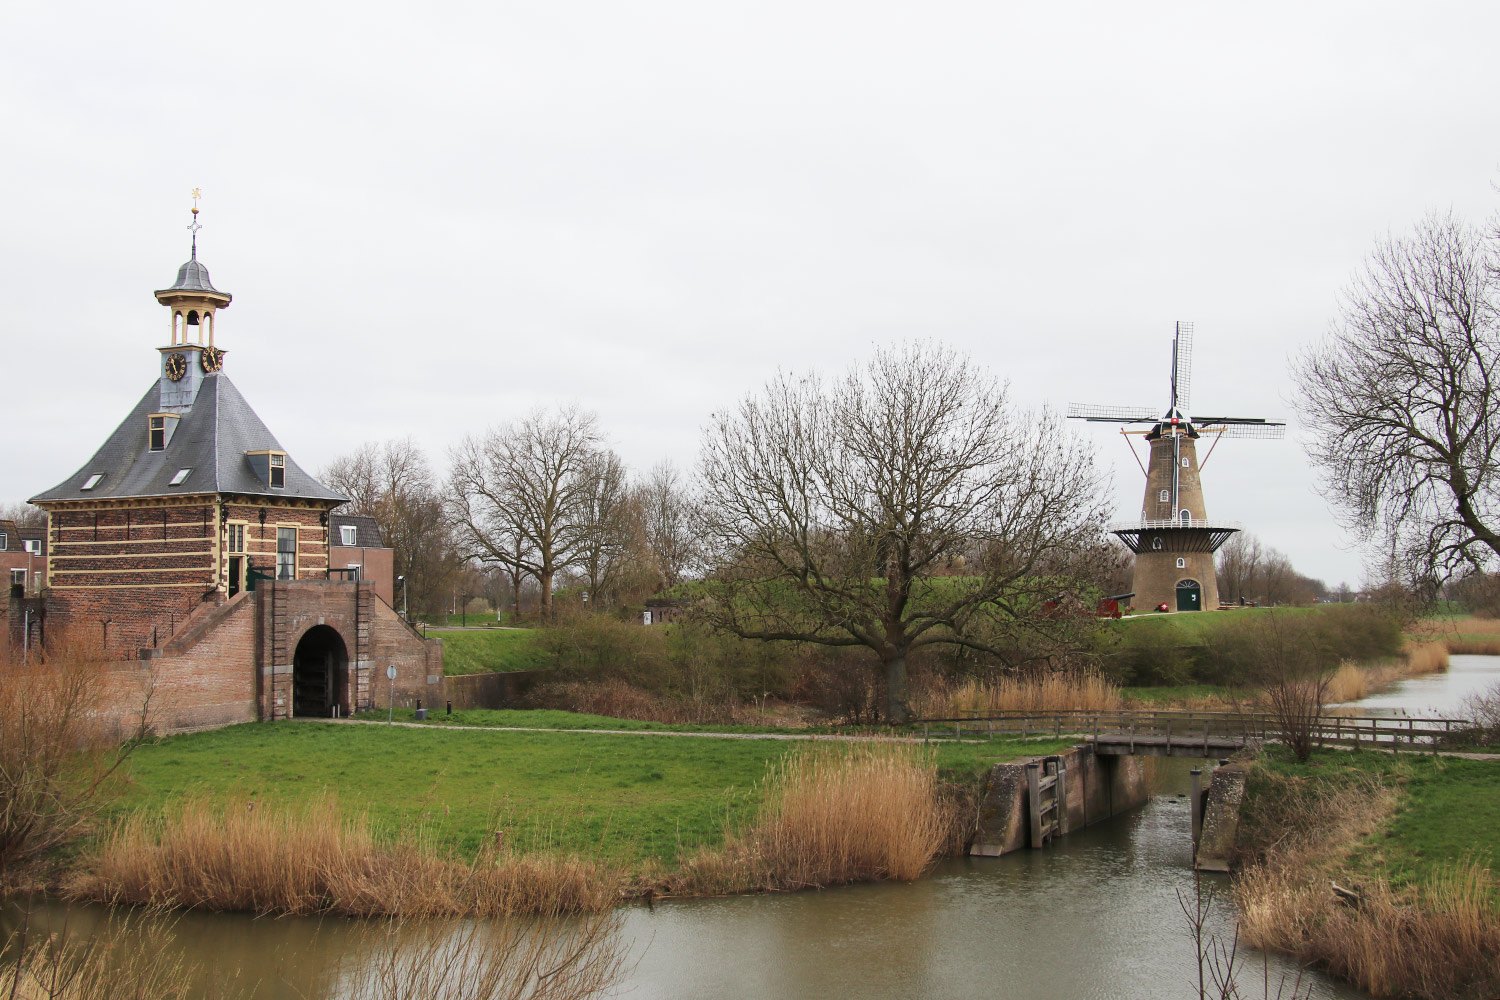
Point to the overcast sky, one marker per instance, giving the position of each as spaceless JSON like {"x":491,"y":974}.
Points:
{"x":434,"y":219}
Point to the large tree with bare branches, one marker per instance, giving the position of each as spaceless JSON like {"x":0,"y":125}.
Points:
{"x":905,"y":504}
{"x":1402,"y":399}
{"x":393,"y":483}
{"x":528,"y":494}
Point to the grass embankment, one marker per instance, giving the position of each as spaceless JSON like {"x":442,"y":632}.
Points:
{"x":491,"y":650}
{"x":1416,"y":837}
{"x":296,"y":817}
{"x":1463,"y":634}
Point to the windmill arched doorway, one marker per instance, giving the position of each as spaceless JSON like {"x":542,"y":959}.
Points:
{"x":320,"y":673}
{"x":1189,"y":595}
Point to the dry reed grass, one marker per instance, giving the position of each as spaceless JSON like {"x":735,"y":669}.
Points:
{"x":314,"y":859}
{"x":1353,"y":681}
{"x":1442,"y":942}
{"x":1425,"y":657}
{"x":833,"y":814}
{"x":1474,"y":647}
{"x":1049,"y":693}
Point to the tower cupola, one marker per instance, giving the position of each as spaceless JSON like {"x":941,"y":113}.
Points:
{"x":191,"y":354}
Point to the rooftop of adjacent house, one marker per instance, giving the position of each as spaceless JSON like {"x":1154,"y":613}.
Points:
{"x":366,"y":531}
{"x":209,"y":451}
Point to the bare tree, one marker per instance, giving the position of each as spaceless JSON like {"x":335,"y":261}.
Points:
{"x":1401,"y":398}
{"x":23,"y":514}
{"x":834,"y":507}
{"x":1239,"y":568}
{"x":612,"y":553}
{"x":392,"y":482}
{"x":520,"y":495}
{"x":666,"y":514}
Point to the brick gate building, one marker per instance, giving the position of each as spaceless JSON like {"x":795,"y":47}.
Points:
{"x":195,"y":549}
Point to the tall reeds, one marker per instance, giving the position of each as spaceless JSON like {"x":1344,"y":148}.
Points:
{"x":314,"y":859}
{"x":1055,"y":692}
{"x":833,"y":814}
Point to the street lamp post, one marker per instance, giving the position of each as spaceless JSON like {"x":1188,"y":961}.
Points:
{"x":404,"y":615}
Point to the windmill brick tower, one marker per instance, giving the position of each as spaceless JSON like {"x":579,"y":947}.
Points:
{"x":1175,"y":540}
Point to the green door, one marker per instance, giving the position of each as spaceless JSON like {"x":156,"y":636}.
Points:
{"x":1189,"y":596}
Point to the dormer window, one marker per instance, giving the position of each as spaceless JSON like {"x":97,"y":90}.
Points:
{"x":348,"y":535}
{"x":181,"y":477}
{"x":269,"y":467}
{"x":32,"y":545}
{"x":159,"y":428}
{"x":92,"y":481}
{"x":4,"y":541}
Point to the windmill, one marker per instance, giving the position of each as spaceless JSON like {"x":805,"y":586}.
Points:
{"x":1174,"y":542}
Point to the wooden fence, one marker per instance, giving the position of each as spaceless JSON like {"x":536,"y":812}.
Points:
{"x":1383,"y":732}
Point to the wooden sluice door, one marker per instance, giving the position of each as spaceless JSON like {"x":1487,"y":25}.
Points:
{"x":1047,"y":787}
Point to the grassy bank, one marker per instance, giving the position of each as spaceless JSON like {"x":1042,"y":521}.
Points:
{"x":491,"y":650}
{"x":627,"y":799}
{"x":302,"y":818}
{"x":1413,"y":840}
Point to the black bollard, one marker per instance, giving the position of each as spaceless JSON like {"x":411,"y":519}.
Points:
{"x":450,"y":706}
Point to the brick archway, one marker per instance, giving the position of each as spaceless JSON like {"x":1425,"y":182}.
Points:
{"x":320,"y":673}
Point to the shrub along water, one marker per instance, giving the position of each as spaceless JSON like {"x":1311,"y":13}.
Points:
{"x":56,"y":763}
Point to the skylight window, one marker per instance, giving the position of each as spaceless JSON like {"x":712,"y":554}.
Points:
{"x":181,"y":477}
{"x":92,"y":481}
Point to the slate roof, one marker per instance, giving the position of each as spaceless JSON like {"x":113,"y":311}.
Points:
{"x":368,"y":532}
{"x":211,"y":438}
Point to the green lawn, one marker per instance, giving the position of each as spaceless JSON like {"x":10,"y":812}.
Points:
{"x":626,"y":798}
{"x":491,"y":650}
{"x":1448,"y":809}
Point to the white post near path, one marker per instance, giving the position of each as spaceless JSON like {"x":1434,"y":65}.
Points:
{"x":390,"y":705}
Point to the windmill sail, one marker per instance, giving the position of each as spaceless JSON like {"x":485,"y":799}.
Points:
{"x":1250,"y":430}
{"x":1112,"y":414}
{"x":1182,"y":365}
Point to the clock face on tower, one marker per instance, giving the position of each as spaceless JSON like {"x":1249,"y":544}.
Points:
{"x":176,"y":366}
{"x":212,"y":359}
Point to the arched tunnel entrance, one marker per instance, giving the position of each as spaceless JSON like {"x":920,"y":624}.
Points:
{"x":320,"y":673}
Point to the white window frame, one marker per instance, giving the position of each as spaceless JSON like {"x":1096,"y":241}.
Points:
{"x":4,"y":541}
{"x":280,"y":552}
{"x":92,"y":481}
{"x":348,"y":535}
{"x":1181,"y":563}
{"x":32,"y":545}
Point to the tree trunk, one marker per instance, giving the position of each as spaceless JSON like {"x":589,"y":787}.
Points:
{"x":544,"y":578}
{"x":896,"y":710}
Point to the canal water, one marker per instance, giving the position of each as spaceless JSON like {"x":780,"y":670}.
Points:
{"x":1436,"y":696}
{"x":1094,"y":917}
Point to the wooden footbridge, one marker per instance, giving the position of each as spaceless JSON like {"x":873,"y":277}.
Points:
{"x":1195,"y":734}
